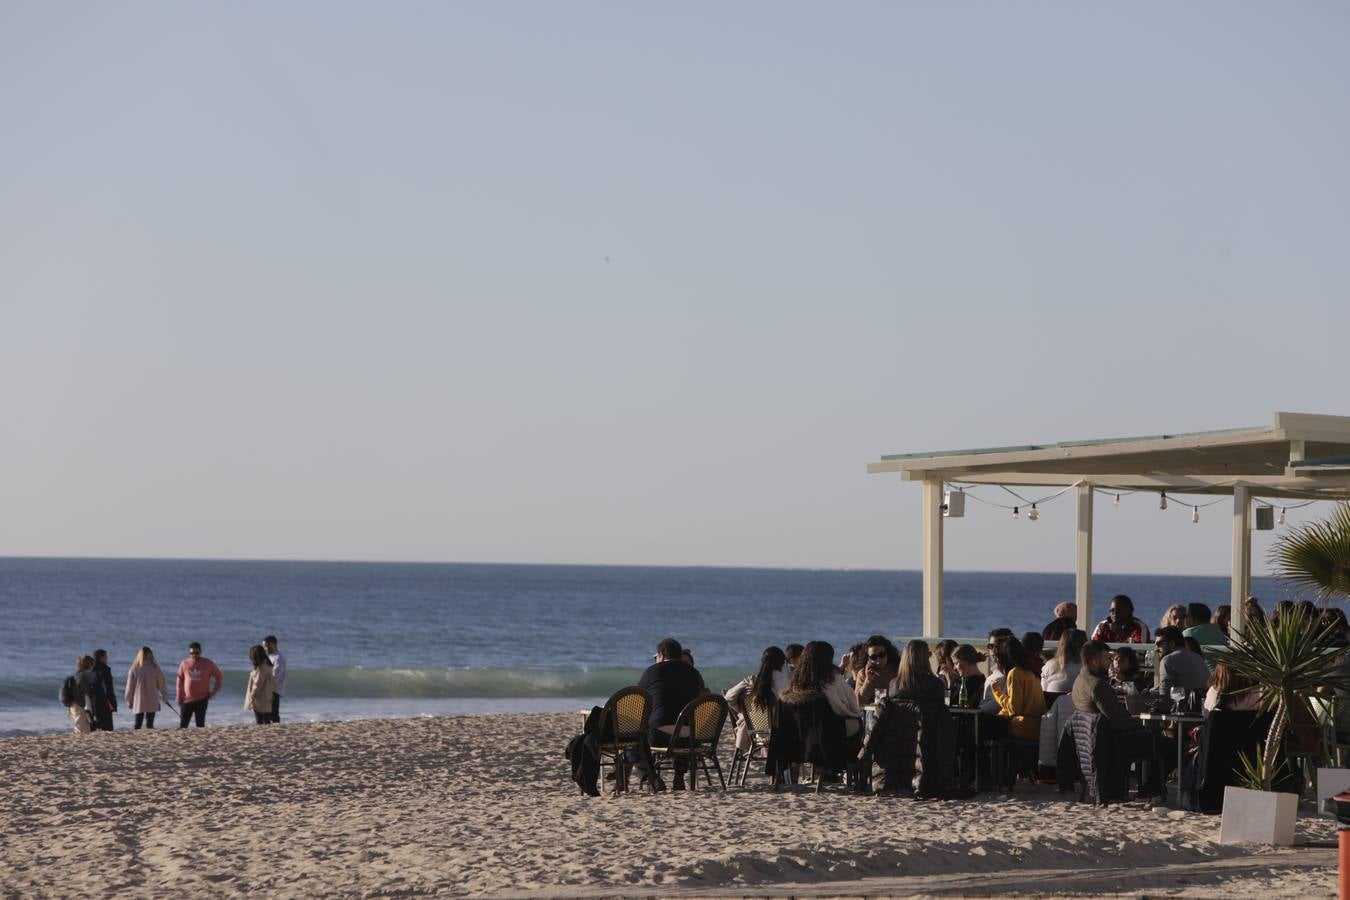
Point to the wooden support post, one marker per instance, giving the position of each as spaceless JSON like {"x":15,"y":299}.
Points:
{"x":1083,"y":566}
{"x":1241,"y":587}
{"x":932,"y":558}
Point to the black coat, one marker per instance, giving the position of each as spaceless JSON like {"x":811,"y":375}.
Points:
{"x":914,"y":743}
{"x":672,"y":685}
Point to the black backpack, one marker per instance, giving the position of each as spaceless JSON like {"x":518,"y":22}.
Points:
{"x":70,"y":690}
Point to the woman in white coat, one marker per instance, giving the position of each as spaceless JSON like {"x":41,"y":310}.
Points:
{"x":145,"y":688}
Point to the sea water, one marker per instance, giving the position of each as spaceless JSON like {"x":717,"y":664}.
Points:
{"x":367,"y":640}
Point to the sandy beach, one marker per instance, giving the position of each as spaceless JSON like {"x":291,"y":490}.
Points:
{"x":483,"y":806}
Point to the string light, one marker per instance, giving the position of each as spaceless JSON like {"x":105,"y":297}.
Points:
{"x":1162,"y":500}
{"x":1117,"y":502}
{"x":1034,"y":514}
{"x":1195,"y":514}
{"x":1282,"y":511}
{"x":1015,"y":515}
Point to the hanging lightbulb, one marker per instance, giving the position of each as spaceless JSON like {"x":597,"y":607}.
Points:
{"x":1015,"y":515}
{"x":1117,"y":503}
{"x":1033,"y":514}
{"x":1162,"y":501}
{"x":1195,"y":514}
{"x":1281,"y":515}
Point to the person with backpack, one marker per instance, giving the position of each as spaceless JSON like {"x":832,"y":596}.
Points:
{"x":73,"y":696}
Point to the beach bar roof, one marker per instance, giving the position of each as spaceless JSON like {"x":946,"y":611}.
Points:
{"x":1302,"y":456}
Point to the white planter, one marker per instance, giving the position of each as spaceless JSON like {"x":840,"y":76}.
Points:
{"x":1330,"y":782}
{"x":1257,"y":817}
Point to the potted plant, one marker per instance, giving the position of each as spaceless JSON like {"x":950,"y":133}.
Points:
{"x":1289,"y":660}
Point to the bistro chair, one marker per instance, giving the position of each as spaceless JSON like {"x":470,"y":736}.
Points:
{"x":697,"y":731}
{"x":623,"y":729}
{"x":761,"y":722}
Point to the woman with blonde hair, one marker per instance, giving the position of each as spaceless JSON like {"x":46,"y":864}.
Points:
{"x":145,"y":688}
{"x":915,"y":680}
{"x":261,"y":685}
{"x":1175,"y":617}
{"x":1059,"y":673}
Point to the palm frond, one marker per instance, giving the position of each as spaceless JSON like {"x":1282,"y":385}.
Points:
{"x":1317,"y":556}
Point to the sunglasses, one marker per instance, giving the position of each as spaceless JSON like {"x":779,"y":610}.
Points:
{"x":878,"y":657}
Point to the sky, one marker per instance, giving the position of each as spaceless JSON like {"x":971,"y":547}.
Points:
{"x":613,"y":283}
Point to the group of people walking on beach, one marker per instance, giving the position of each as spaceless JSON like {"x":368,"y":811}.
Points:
{"x":90,"y":697}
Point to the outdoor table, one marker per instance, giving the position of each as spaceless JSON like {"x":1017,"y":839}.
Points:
{"x":974,"y":712}
{"x":1182,"y":721}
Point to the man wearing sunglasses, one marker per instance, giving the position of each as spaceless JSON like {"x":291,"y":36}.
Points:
{"x":199,"y":680}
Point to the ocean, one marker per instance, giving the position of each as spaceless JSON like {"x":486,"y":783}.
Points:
{"x":366,"y":640}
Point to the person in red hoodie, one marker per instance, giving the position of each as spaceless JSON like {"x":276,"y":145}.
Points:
{"x":199,"y":680}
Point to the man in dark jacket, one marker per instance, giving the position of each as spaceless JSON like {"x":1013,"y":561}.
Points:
{"x":105,"y":702}
{"x":672,"y":683}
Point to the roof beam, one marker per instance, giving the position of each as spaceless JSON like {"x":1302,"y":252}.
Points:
{"x":935,"y":464}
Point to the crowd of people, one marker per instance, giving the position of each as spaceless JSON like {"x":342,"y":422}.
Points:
{"x":90,"y":697}
{"x":1025,"y":687}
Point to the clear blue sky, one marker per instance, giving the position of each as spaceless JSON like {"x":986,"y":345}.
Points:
{"x":587,"y":282}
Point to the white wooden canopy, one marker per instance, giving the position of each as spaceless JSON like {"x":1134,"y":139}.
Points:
{"x":1302,"y":456}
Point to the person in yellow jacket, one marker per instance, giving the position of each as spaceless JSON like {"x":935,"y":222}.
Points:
{"x":1019,"y":697}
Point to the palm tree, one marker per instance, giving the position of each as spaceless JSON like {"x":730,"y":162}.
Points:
{"x":1317,"y":556}
{"x":1288,"y":658}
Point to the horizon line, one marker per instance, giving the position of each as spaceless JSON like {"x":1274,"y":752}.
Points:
{"x":586,"y":565}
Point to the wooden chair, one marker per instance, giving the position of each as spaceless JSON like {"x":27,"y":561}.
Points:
{"x":623,"y":728}
{"x":697,"y":731}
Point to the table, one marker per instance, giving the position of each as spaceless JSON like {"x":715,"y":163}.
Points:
{"x":974,"y":713}
{"x":1182,"y":721}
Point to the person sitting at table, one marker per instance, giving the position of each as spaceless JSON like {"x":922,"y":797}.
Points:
{"x":852,"y":663}
{"x":1205,"y":632}
{"x":914,"y":679}
{"x":1020,"y":700}
{"x":882,"y":664}
{"x":1066,"y":619}
{"x":1178,"y":666}
{"x":1229,"y":690}
{"x":1252,"y":613}
{"x":1223,"y":619}
{"x":966,"y":660}
{"x":945,"y":666}
{"x":761,"y":689}
{"x":1059,"y":673}
{"x":1127,"y":676}
{"x":988,"y":702}
{"x":1176,"y":616}
{"x":1034,"y":645}
{"x":816,"y":676}
{"x":1092,"y":694}
{"x":1120,"y":626}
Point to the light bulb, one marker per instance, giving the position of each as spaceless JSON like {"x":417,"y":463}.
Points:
{"x":1195,"y":514}
{"x":1281,"y":515}
{"x":1162,"y":501}
{"x":1117,"y":503}
{"x":1015,"y":515}
{"x":1034,"y":513}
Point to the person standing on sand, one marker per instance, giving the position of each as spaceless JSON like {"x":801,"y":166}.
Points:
{"x":74,"y":696}
{"x":198,"y":681}
{"x":261,"y":689}
{"x":278,"y":674}
{"x":104,"y":708}
{"x":145,"y":687}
